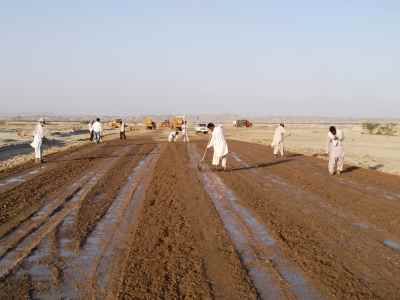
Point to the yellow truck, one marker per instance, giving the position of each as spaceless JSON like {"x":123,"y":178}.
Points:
{"x":177,"y":122}
{"x":116,"y":123}
{"x":149,"y":123}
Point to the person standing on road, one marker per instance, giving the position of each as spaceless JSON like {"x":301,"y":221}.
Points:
{"x":122,"y":135}
{"x":38,"y":136}
{"x":173,"y":136}
{"x":90,"y":125}
{"x":335,"y":151}
{"x":278,"y":140}
{"x":218,"y":143}
{"x":97,"y":131}
{"x":185,"y":132}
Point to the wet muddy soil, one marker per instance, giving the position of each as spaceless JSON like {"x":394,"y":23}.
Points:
{"x":181,"y":250}
{"x":139,"y":219}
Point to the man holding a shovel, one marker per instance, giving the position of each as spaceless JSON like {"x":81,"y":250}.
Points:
{"x":218,"y":143}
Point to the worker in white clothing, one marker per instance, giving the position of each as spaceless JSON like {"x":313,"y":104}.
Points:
{"x":185,"y":135}
{"x":122,"y":135}
{"x":278,"y":140}
{"x":172,"y":137}
{"x":219,"y":145}
{"x":335,"y":151}
{"x":97,"y":131}
{"x":38,"y":136}
{"x":90,"y":125}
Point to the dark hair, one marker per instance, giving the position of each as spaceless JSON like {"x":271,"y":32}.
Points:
{"x":177,"y":132}
{"x":283,"y":125}
{"x":332,"y":129}
{"x":98,"y":119}
{"x":210,"y":126}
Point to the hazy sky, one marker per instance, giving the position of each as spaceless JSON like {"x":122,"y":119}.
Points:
{"x":310,"y":57}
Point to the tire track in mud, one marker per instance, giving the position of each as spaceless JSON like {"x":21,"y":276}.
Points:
{"x":13,"y":181}
{"x":51,"y":216}
{"x":366,"y":202}
{"x":20,"y":202}
{"x":314,"y":203}
{"x":92,"y":272}
{"x":19,"y":243}
{"x":381,"y":220}
{"x":273,"y":276}
{"x":100,"y":198}
{"x":180,"y":249}
{"x":342,"y":262}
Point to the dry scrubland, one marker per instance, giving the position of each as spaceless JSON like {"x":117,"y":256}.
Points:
{"x":376,"y":151}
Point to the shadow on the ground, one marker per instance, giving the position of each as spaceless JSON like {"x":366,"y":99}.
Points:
{"x":295,"y":155}
{"x":128,"y":142}
{"x":261,"y":165}
{"x":351,"y":169}
{"x":376,"y":167}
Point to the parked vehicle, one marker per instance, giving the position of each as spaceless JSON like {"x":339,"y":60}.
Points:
{"x":165,"y":124}
{"x":201,"y":128}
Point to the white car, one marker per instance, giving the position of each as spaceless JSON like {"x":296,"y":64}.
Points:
{"x":201,"y":128}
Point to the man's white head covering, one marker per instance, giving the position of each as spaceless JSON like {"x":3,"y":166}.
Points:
{"x":41,"y":120}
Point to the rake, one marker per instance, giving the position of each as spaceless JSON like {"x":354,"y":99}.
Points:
{"x":199,"y":164}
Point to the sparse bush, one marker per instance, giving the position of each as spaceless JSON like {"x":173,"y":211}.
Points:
{"x":381,"y":129}
{"x":370,"y":127}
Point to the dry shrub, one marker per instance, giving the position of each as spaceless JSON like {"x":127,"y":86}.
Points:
{"x":389,"y":129}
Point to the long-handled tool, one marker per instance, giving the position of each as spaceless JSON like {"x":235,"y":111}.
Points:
{"x":202,"y":159}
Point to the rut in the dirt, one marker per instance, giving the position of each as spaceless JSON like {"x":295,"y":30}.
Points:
{"x":24,"y":199}
{"x":116,"y":163}
{"x":181,"y":249}
{"x":142,"y":227}
{"x":346,"y":261}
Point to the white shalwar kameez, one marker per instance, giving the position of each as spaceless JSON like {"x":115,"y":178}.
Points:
{"x":98,"y":131}
{"x":218,"y":143}
{"x":277,"y":142}
{"x":38,"y":135}
{"x":185,"y":135}
{"x":335,"y":151}
{"x":172,"y":137}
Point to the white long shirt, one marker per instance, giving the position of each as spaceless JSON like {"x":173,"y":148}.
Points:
{"x":172,"y":137}
{"x":39,"y":131}
{"x":97,"y":127}
{"x":123,"y":125}
{"x":279,"y":136}
{"x":218,"y":142}
{"x":335,"y":143}
{"x":38,"y":135}
{"x":184,"y":128}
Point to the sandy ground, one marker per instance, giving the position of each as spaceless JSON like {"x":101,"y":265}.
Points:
{"x":369,"y":151}
{"x":143,"y":219}
{"x":15,"y":139}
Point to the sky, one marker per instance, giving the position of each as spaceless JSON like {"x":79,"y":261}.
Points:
{"x":316,"y":58}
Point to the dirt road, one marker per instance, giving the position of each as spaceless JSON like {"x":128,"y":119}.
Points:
{"x":139,"y":220}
